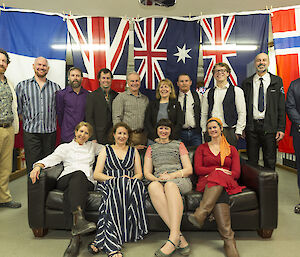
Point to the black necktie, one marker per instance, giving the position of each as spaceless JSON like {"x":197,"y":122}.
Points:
{"x":261,"y":105}
{"x":184,"y":107}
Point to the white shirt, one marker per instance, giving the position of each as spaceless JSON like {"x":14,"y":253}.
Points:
{"x":74,"y":157}
{"x":257,"y":115}
{"x":217,"y":110}
{"x":189,"y":113}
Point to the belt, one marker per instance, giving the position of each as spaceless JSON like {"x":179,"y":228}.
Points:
{"x":189,"y":128}
{"x":138,"y":131}
{"x":5,"y":125}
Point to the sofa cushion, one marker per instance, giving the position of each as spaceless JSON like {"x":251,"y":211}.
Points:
{"x":244,"y":201}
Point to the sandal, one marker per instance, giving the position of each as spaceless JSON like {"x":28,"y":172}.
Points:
{"x":91,"y":250}
{"x":159,"y":253}
{"x":185,"y":251}
{"x":114,"y":253}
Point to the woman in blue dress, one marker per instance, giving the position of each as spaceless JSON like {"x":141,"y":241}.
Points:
{"x":122,"y":210}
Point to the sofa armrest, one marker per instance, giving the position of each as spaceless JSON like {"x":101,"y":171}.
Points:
{"x":265,"y":183}
{"x":37,"y":194}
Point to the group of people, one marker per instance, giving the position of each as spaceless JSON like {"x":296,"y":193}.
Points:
{"x":256,"y":111}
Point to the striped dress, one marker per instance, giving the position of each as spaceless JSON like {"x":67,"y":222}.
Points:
{"x":122,"y":210}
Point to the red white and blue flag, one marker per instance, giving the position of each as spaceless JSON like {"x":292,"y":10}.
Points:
{"x":100,"y":42}
{"x":164,"y":48}
{"x":234,"y":40}
{"x":286,"y":34}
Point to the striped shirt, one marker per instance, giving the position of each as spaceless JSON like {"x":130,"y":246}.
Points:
{"x":37,"y":105}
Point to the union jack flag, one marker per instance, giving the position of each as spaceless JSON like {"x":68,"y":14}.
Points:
{"x":222,"y":38}
{"x":100,"y":42}
{"x":150,"y":53}
{"x":286,"y":34}
{"x":218,"y":30}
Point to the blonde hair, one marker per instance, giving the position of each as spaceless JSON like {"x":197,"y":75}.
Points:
{"x":86,"y":124}
{"x":169,"y":84}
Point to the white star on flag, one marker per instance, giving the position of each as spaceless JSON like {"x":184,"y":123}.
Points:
{"x":182,"y":53}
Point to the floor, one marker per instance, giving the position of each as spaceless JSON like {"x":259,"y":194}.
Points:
{"x":16,"y":238}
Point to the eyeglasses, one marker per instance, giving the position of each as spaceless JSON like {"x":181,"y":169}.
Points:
{"x":220,"y":71}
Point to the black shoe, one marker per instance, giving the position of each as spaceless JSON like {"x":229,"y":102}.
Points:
{"x":73,"y":247}
{"x":11,"y":204}
{"x":81,"y":225}
{"x":297,"y":209}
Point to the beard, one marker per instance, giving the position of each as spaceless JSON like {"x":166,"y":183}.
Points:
{"x":75,"y":84}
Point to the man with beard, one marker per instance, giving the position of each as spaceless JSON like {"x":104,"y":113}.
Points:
{"x":98,"y":107}
{"x":36,"y":106}
{"x":70,"y":105}
{"x":9,"y":126}
{"x":265,"y":103}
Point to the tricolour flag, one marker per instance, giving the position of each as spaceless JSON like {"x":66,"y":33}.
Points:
{"x":25,"y":36}
{"x":164,"y":48}
{"x":100,"y":42}
{"x":234,"y":40}
{"x":286,"y":34}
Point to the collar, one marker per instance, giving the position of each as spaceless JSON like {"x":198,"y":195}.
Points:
{"x":225,"y":87}
{"x":69,"y":89}
{"x":33,"y":80}
{"x":265,"y":77}
{"x":188,"y":93}
{"x":129,"y":93}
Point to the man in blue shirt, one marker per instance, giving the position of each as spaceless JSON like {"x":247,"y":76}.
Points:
{"x":36,"y":106}
{"x":70,"y":105}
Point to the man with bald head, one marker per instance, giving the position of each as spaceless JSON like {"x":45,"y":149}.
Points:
{"x":36,"y":106}
{"x":265,"y":103}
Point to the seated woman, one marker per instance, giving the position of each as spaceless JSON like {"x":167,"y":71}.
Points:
{"x":218,"y":166}
{"x":75,"y":180}
{"x":122,"y":210}
{"x":172,"y":168}
{"x":165,"y":106}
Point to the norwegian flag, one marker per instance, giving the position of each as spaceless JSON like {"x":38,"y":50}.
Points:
{"x":286,"y":34}
{"x":221,"y":38}
{"x":150,"y":52}
{"x":100,"y":42}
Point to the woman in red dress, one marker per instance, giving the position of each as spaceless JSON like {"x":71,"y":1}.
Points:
{"x":218,"y":166}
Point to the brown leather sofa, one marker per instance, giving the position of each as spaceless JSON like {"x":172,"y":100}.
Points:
{"x":256,"y":208}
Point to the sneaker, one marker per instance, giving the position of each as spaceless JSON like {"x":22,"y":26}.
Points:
{"x":297,"y":209}
{"x":11,"y":204}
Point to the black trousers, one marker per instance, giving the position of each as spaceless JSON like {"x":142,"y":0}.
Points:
{"x":259,"y":138}
{"x":76,"y":187}
{"x":37,"y":146}
{"x":296,"y":143}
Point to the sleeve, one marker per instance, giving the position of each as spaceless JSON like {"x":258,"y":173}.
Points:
{"x":149,"y":127}
{"x":235,"y":163}
{"x":118,"y":109}
{"x":19,"y":98}
{"x":56,"y":157}
{"x":59,"y":100}
{"x":291,"y":106}
{"x":148,"y":153}
{"x":281,"y":108}
{"x":89,"y":113}
{"x":199,"y":166}
{"x":182,"y":149}
{"x":204,"y":111}
{"x":98,"y":148}
{"x":179,"y":120}
{"x":241,"y":110}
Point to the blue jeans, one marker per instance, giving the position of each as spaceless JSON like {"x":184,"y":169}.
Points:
{"x":190,"y":137}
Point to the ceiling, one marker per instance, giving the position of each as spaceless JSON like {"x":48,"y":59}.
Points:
{"x":132,"y":8}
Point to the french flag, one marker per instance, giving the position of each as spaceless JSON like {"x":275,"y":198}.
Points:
{"x":27,"y":35}
{"x":286,"y":33}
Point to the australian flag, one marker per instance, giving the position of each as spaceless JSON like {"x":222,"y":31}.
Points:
{"x":234,"y":40}
{"x":164,"y":48}
{"x":286,"y":34}
{"x":100,"y":42}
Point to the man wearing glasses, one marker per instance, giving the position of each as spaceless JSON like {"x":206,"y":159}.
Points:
{"x":225,"y":102}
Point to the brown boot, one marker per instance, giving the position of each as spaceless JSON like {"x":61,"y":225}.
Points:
{"x":222,"y":215}
{"x":80,"y":225}
{"x":209,"y":198}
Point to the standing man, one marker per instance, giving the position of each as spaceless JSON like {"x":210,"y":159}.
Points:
{"x":292,"y":106}
{"x":36,"y":106}
{"x":9,"y":126}
{"x":130,"y":107}
{"x":70,"y":105}
{"x":265,"y":102}
{"x":225,"y":102}
{"x":191,"y":106}
{"x":98,"y":107}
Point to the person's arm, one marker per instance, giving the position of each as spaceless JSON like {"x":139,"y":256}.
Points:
{"x":235,"y":163}
{"x":241,"y":110}
{"x":290,"y":104}
{"x":118,"y":109}
{"x":35,"y":173}
{"x":59,"y":100}
{"x":149,"y":127}
{"x":204,"y":112}
{"x":19,"y":100}
{"x":199,"y":167}
{"x":98,"y":173}
{"x":179,"y":120}
{"x":138,"y":174}
{"x":281,"y":110}
{"x":148,"y":166}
